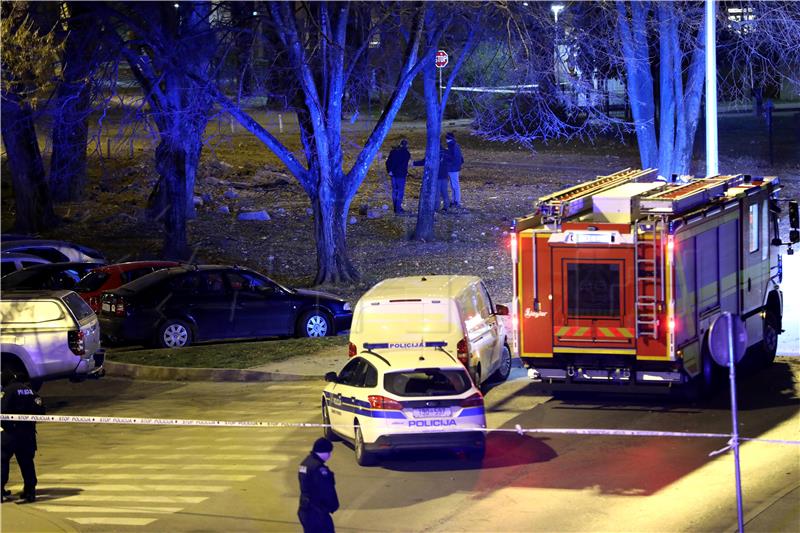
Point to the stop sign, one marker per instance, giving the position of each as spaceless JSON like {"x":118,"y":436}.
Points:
{"x":441,"y":59}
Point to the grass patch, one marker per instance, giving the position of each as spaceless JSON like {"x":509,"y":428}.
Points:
{"x":228,"y":354}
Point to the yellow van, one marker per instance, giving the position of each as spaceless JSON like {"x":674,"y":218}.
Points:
{"x":451,"y":313}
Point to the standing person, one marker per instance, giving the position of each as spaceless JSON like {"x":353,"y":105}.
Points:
{"x":456,"y":160}
{"x":19,"y":438}
{"x":397,"y":167}
{"x":318,"y":498}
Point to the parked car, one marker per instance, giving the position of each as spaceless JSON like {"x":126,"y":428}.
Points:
{"x":108,"y":277}
{"x":178,"y":306}
{"x":387,"y":400}
{"x":414,"y":311}
{"x":50,"y":276}
{"x":12,"y":261}
{"x":16,"y":237}
{"x":53,"y":251}
{"x":49,"y":335}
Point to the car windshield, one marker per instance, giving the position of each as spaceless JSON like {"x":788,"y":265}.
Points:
{"x":91,"y":282}
{"x":427,"y":382}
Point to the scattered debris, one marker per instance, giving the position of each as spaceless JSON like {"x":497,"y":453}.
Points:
{"x":253,"y":215}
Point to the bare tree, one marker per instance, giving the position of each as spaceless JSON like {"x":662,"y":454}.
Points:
{"x":170,"y":50}
{"x":28,"y":53}
{"x":317,"y":47}
{"x":72,"y":103}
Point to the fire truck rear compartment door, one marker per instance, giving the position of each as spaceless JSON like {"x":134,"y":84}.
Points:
{"x":593,"y":300}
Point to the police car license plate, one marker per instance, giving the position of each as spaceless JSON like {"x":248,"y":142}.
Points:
{"x":430,"y":412}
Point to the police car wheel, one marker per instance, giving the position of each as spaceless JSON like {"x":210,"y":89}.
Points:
{"x":327,"y":430}
{"x":314,"y":324}
{"x":174,"y":334}
{"x":363,"y":457}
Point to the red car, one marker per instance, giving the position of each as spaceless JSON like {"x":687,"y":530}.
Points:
{"x":110,"y":277}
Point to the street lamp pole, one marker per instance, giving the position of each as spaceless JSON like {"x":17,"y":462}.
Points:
{"x":712,"y":148}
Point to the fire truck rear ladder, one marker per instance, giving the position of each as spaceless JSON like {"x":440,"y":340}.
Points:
{"x":647,"y":276}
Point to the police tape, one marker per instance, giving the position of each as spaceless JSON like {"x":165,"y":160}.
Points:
{"x":518,"y":429}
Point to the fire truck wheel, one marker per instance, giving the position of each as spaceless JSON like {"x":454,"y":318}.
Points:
{"x":769,"y":345}
{"x":709,"y":378}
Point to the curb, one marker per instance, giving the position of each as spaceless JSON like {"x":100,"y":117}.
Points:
{"x":164,"y":373}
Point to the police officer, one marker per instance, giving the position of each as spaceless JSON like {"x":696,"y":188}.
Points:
{"x":317,"y":490}
{"x":19,"y":438}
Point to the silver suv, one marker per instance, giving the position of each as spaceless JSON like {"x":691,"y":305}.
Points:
{"x":49,"y":335}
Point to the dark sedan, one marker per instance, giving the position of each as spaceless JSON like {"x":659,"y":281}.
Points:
{"x":177,"y":306}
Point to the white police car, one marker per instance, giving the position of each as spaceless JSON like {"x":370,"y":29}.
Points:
{"x":387,"y":400}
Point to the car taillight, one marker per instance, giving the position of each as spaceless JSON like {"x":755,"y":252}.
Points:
{"x":94,"y":303}
{"x":382,"y":402}
{"x":476,"y":400}
{"x":119,"y":308}
{"x":75,"y":340}
{"x":462,"y":351}
{"x":351,"y":350}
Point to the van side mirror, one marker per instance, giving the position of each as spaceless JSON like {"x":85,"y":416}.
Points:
{"x":331,"y":377}
{"x":501,"y":310}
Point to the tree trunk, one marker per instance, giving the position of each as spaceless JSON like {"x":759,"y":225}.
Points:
{"x":31,"y":194}
{"x":70,"y":136}
{"x":689,"y":109}
{"x":330,"y":230}
{"x":633,"y":35}
{"x":427,"y":195}
{"x":171,"y":160}
{"x":669,"y":51}
{"x":73,"y":105}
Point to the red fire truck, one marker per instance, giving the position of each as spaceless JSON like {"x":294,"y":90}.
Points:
{"x":617,"y":280}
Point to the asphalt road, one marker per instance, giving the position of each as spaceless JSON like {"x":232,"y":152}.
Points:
{"x":144,"y":478}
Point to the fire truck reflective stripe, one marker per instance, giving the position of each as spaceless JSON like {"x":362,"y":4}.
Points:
{"x":606,"y":332}
{"x":574,"y":331}
{"x":586,"y":349}
{"x":626,"y":332}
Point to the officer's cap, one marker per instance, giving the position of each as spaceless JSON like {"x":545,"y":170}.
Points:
{"x":322,"y":445}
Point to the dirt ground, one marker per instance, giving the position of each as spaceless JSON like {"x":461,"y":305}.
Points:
{"x":499,"y":183}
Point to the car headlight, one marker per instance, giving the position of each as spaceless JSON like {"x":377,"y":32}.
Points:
{"x":346,"y":306}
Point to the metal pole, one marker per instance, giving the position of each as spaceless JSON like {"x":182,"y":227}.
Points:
{"x":735,"y":432}
{"x":440,"y":89}
{"x":712,"y":156}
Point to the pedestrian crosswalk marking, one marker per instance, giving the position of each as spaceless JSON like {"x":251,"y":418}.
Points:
{"x":113,"y":521}
{"x":88,"y":476}
{"x":170,"y":467}
{"x":209,"y":446}
{"x":128,"y":498}
{"x":209,"y":456}
{"x":54,"y":508}
{"x":42,"y":488}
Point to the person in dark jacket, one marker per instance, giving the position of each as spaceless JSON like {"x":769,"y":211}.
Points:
{"x":397,"y":167}
{"x":441,"y":179}
{"x":454,"y":167}
{"x":318,"y":498}
{"x":19,"y":438}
